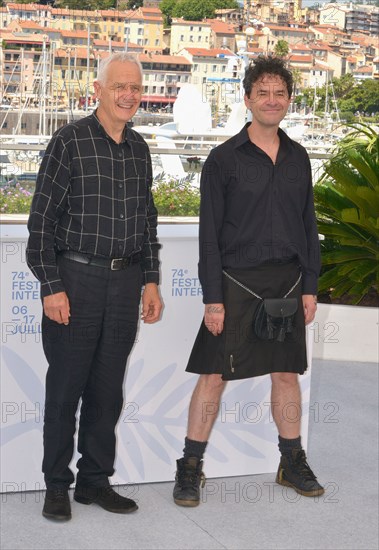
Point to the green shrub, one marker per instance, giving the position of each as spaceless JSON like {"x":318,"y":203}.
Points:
{"x":14,"y":199}
{"x":347,"y":207}
{"x":173,"y":197}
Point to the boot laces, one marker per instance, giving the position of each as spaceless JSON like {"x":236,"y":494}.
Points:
{"x":303,"y":467}
{"x":188,"y":476}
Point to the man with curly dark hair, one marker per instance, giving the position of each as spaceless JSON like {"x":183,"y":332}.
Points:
{"x":258,"y":240}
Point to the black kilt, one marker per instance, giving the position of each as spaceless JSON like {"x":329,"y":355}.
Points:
{"x":250,"y":355}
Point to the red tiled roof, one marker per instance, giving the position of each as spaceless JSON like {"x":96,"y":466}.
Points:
{"x":79,"y":53}
{"x":203,"y":52}
{"x":28,"y":7}
{"x":363,"y":70}
{"x":301,"y":58}
{"x":182,"y":22}
{"x":156,"y":58}
{"x":220,"y":27}
{"x":287,"y":29}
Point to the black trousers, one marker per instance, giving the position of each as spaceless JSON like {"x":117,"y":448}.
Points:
{"x":87,"y":360}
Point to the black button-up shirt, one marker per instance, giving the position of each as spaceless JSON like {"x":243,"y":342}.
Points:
{"x":92,"y":196}
{"x":254,"y":211}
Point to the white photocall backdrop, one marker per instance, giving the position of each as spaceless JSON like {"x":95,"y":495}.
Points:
{"x":153,"y":422}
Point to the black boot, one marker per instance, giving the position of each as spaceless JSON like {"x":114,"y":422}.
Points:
{"x":57,"y":505}
{"x":189,"y":478}
{"x":105,"y":497}
{"x":295,"y":472}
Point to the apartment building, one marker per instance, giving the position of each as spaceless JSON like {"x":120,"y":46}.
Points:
{"x":214,"y":74}
{"x":21,"y":60}
{"x":223,"y":35}
{"x":163,"y":76}
{"x":351,"y":17}
{"x":319,"y":75}
{"x":292,"y":35}
{"x":144,"y":27}
{"x":189,"y":34}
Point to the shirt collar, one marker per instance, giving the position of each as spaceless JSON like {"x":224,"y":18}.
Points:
{"x":243,"y":137}
{"x":94,"y":119}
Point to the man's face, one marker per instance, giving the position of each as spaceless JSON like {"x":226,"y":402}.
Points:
{"x":120,"y":95}
{"x":269,"y":100}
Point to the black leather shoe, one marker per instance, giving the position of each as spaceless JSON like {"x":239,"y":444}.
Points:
{"x":294,"y":471}
{"x":57,"y":505}
{"x":189,"y":478}
{"x":105,"y":497}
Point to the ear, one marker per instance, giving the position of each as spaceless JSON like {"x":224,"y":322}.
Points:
{"x":97,"y":87}
{"x":247,"y":101}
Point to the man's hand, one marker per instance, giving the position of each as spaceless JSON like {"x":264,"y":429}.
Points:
{"x":57,"y":307}
{"x":214,"y":318}
{"x":151,"y":304}
{"x":310,"y":307}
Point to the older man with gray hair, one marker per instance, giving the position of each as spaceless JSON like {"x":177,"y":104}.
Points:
{"x":93,"y":246}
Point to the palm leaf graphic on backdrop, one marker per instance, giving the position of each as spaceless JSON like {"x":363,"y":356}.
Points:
{"x":347,"y":206}
{"x":32,"y":388}
{"x":165,"y":417}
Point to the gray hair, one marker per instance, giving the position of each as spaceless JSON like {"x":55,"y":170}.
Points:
{"x":123,"y":57}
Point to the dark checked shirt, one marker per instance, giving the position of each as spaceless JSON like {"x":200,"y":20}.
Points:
{"x":92,"y":196}
{"x":254,"y":211}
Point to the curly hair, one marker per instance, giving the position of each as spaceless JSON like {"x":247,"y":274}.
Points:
{"x":267,"y":65}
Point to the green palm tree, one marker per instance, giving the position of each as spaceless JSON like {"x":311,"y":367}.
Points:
{"x":347,"y":207}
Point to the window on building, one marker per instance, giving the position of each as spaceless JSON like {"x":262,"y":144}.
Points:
{"x":191,"y":28}
{"x":23,"y":125}
{"x":196,"y":67}
{"x":8,"y":57}
{"x":214,"y":68}
{"x":146,"y":89}
{"x":181,"y":37}
{"x":162,"y":89}
{"x":199,"y":38}
{"x":157,"y":41}
{"x":146,"y":41}
{"x":223,"y":68}
{"x":169,"y":90}
{"x":140,"y":32}
{"x":154,"y":89}
{"x":191,"y":38}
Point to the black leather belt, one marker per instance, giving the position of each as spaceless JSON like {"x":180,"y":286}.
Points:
{"x":115,"y":264}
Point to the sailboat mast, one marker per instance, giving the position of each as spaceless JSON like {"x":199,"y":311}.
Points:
{"x":88,"y":48}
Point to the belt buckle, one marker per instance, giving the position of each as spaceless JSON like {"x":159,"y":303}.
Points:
{"x":114,"y":264}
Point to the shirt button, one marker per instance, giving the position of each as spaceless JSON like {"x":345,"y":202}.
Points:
{"x":120,"y":246}
{"x":120,"y":185}
{"x":122,"y":216}
{"x":120,"y":154}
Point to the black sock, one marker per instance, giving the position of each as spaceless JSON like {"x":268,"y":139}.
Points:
{"x":286,"y":445}
{"x":194,"y":448}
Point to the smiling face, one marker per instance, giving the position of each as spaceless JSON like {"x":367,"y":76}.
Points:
{"x":120,"y":93}
{"x":268,"y":101}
